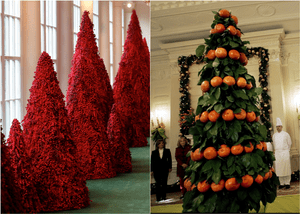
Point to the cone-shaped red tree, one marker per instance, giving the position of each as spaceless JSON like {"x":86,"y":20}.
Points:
{"x":59,"y":181}
{"x":89,"y":101}
{"x":8,"y":202}
{"x":21,"y":171}
{"x":117,"y":135}
{"x":132,"y":85}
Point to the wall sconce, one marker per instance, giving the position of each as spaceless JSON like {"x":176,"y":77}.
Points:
{"x":130,"y":4}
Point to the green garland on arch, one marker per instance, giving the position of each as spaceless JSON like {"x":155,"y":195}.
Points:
{"x":185,"y":111}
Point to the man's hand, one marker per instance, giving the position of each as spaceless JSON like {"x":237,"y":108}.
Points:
{"x":170,"y":170}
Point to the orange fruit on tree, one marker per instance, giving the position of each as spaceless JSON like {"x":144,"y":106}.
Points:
{"x":235,"y":19}
{"x":213,"y":31}
{"x":241,"y":82}
{"x":272,"y":169}
{"x":228,"y":115}
{"x":249,"y":86}
{"x":203,"y":186}
{"x":259,"y":146}
{"x":224,"y":13}
{"x":218,"y":187}
{"x":259,"y":179}
{"x":257,"y":119}
{"x":204,"y":117}
{"x":192,"y":156}
{"x":247,"y":181}
{"x":270,"y":173}
{"x":250,"y":116}
{"x":232,"y":30}
{"x":224,"y":151}
{"x":234,"y":54}
{"x":266,"y":176}
{"x":243,"y":59}
{"x":238,"y":33}
{"x":237,"y":149}
{"x":229,"y":80}
{"x":210,"y":153}
{"x":197,"y":117}
{"x":198,"y":155}
{"x":249,"y":149}
{"x":213,"y":116}
{"x":187,"y":184}
{"x":211,"y":54}
{"x":216,"y":81}
{"x":231,"y":184}
{"x":221,"y":53}
{"x":193,"y":186}
{"x":219,"y":28}
{"x":205,"y":86}
{"x":264,"y":146}
{"x":241,"y":115}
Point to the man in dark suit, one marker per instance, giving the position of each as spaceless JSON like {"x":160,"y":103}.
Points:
{"x":161,"y":165}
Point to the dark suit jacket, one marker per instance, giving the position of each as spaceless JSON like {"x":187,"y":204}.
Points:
{"x":161,"y":166}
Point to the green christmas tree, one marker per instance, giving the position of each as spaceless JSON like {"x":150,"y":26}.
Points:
{"x":231,"y":169}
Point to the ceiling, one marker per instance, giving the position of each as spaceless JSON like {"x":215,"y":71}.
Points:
{"x":177,"y":21}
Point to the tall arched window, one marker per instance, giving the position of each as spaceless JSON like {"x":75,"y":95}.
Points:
{"x":10,"y":90}
{"x":76,"y":20}
{"x":49,"y":29}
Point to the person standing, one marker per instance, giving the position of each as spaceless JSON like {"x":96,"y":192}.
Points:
{"x":282,"y":145}
{"x":182,"y":149}
{"x":161,"y":165}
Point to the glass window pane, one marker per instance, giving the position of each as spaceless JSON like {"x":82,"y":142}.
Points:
{"x":17,"y":7}
{"x":6,"y":7}
{"x":12,"y":111}
{"x":42,"y":11}
{"x":111,"y":54}
{"x":6,"y":38}
{"x":110,"y":11}
{"x":17,"y":79}
{"x":47,"y":12}
{"x":42,"y":38}
{"x":12,"y":36}
{"x":17,"y":38}
{"x":77,"y":2}
{"x":18,"y":110}
{"x":95,"y":7}
{"x":47,"y":39}
{"x":111,"y":75}
{"x":111,"y":32}
{"x":54,"y":14}
{"x":54,"y":44}
{"x":7,"y":119}
{"x":7,"y":81}
{"x":96,"y":26}
{"x":12,"y":79}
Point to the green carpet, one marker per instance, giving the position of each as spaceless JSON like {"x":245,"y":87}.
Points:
{"x":125,"y":193}
{"x":282,"y":204}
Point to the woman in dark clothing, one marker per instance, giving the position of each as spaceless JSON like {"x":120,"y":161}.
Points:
{"x":161,"y":165}
{"x":182,"y":149}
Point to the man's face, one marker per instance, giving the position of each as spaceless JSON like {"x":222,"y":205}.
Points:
{"x":279,"y":128}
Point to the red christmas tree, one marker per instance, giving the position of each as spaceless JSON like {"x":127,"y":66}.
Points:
{"x":132,"y":85}
{"x":21,"y":171}
{"x":8,"y":202}
{"x":89,"y":101}
{"x":59,"y":181}
{"x":117,"y":135}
